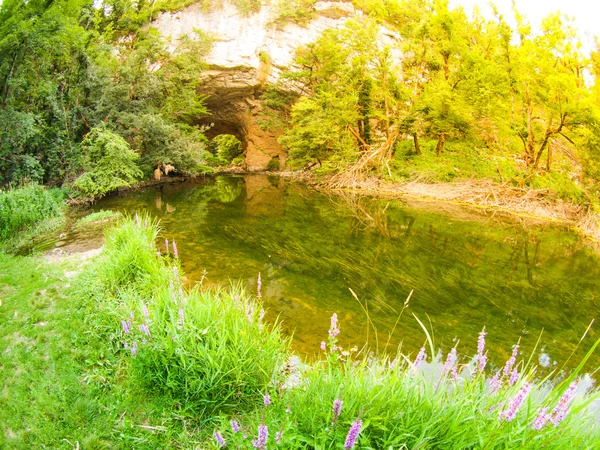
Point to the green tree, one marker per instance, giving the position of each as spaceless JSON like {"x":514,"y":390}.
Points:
{"x":110,"y":163}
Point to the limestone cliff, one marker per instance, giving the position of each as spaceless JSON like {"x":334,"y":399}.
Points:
{"x":249,"y":52}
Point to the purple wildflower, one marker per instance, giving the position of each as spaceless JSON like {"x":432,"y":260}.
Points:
{"x":166,"y":245}
{"x":144,"y":329}
{"x":146,"y":223}
{"x":175,"y":252}
{"x":258,"y":286}
{"x":181,"y":316}
{"x":219,"y":438}
{"x":278,"y":437}
{"x":176,"y":271}
{"x":511,"y":361}
{"x":333,"y":329}
{"x":249,"y":313}
{"x":267,"y":399}
{"x":481,"y":358}
{"x":263,"y":435}
{"x":496,"y":382}
{"x":323,"y":345}
{"x":514,"y":377}
{"x":541,"y":420}
{"x":235,"y":426}
{"x":125,"y":326}
{"x":134,"y":348}
{"x":337,"y":409}
{"x":261,"y":315}
{"x":562,"y":408}
{"x":353,"y":434}
{"x":419,"y":358}
{"x":146,"y":311}
{"x":450,"y":360}
{"x":510,"y":413}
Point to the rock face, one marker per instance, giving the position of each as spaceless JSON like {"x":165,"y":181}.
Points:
{"x":250,"y":52}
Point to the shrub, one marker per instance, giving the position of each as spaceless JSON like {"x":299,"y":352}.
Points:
{"x":110,"y":164}
{"x":26,"y":206}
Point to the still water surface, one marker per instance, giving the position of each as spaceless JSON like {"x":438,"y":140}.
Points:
{"x":466,"y":269}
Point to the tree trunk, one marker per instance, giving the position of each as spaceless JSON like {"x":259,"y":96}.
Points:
{"x":416,"y":142}
{"x":440,"y":144}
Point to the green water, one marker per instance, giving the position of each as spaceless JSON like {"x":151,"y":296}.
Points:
{"x":466,"y":269}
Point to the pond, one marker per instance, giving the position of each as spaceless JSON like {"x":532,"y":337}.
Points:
{"x":466,"y":268}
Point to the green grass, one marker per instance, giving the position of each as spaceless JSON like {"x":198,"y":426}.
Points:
{"x":31,"y":209}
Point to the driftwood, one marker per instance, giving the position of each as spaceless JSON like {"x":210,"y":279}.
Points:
{"x":370,"y":157}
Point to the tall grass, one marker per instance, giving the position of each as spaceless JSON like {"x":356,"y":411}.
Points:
{"x":23,"y":207}
{"x":398,"y":405}
{"x":206,"y":350}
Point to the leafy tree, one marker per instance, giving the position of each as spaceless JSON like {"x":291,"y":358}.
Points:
{"x":110,"y":163}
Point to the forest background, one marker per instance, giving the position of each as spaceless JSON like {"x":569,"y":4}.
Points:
{"x":91,"y":98}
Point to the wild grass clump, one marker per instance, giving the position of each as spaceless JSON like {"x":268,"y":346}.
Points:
{"x":361,"y":402}
{"x":205,"y":350}
{"x":26,"y":206}
{"x":129,"y":259}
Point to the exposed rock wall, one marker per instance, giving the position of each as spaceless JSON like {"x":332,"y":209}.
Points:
{"x":249,"y":52}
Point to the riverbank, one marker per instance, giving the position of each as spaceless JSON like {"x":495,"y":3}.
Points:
{"x":534,"y":204}
{"x":109,"y":350}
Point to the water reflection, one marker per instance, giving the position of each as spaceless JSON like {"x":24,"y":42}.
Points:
{"x":466,"y":269}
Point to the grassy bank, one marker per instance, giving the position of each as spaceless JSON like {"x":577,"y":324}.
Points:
{"x":123,"y":355}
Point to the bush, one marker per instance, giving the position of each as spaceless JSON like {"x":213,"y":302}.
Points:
{"x":26,"y":206}
{"x":228,"y":147}
{"x":110,"y":164}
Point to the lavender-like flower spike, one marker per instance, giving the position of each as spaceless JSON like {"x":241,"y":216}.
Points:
{"x":450,"y":360}
{"x":166,"y":245}
{"x":514,"y":377}
{"x":323,"y":345}
{"x":235,"y":426}
{"x":181,"y":316}
{"x":125,"y":326}
{"x":353,"y":434}
{"x":219,"y":438}
{"x":337,"y":409}
{"x":510,"y":413}
{"x":419,"y":358}
{"x":562,"y":408}
{"x":258,"y":286}
{"x":267,"y":399}
{"x":511,"y":361}
{"x":146,"y":315}
{"x":496,"y":382}
{"x":541,"y":420}
{"x":176,"y":272}
{"x":134,"y":348}
{"x":175,"y":252}
{"x":481,"y":358}
{"x":263,"y":435}
{"x":333,"y":329}
{"x":278,"y":437}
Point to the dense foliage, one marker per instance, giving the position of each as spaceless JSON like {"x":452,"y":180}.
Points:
{"x":524,"y":101}
{"x":67,"y":68}
{"x":26,"y":206}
